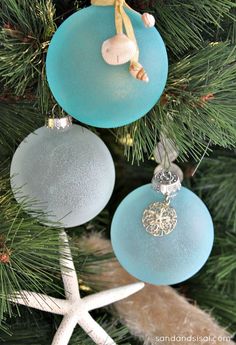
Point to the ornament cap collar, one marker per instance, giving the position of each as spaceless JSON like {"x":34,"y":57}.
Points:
{"x":59,"y":123}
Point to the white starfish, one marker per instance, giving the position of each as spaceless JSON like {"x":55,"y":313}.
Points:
{"x":74,"y":308}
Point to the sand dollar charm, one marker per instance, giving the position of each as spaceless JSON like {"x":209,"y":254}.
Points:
{"x":118,"y":50}
{"x":159,"y":219}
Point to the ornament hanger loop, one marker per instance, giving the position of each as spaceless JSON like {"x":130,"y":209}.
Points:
{"x":167,"y":200}
{"x":166,"y":176}
{"x":54,"y":108}
{"x":56,"y":122}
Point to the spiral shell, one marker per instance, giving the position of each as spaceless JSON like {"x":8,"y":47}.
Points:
{"x":148,"y":20}
{"x":138,"y":72}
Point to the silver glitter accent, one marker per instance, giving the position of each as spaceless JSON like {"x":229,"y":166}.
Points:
{"x":59,"y":123}
{"x":166,"y":182}
{"x":159,"y":219}
{"x":174,"y":168}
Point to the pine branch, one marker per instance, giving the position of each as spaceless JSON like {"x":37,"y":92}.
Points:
{"x":214,"y":287}
{"x":198,"y":105}
{"x":222,"y":306}
{"x":182,"y":24}
{"x":33,"y":328}
{"x":4,"y":329}
{"x":29,"y":252}
{"x":113,"y":328}
{"x":17,"y":120}
{"x":218,"y":183}
{"x":88,"y":264}
{"x":27,"y":28}
{"x":29,"y":329}
{"x":185,"y":24}
{"x":227,"y":30}
{"x":221,"y":268}
{"x":66,"y":7}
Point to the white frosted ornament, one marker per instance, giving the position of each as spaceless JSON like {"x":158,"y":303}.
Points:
{"x":118,"y":49}
{"x":148,"y":20}
{"x":69,"y":171}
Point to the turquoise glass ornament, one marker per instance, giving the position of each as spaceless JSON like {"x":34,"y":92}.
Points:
{"x":166,"y":260}
{"x":89,"y":89}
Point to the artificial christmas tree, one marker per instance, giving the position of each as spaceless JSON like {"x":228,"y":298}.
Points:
{"x":193,"y":119}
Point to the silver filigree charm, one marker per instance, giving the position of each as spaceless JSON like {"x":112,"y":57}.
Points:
{"x":159,"y":219}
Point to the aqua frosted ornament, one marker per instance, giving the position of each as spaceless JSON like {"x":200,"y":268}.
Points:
{"x":162,"y":240}
{"x":67,"y":169}
{"x":93,"y":91}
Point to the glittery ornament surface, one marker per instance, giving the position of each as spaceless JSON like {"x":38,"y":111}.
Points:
{"x":69,"y":172}
{"x":159,"y":219}
{"x":168,"y":259}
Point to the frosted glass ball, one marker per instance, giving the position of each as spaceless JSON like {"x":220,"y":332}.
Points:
{"x":166,"y":260}
{"x":69,"y":172}
{"x":89,"y":89}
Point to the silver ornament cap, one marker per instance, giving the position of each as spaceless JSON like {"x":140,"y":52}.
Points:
{"x":174,"y":168}
{"x":166,"y":182}
{"x":59,"y":123}
{"x":159,"y":219}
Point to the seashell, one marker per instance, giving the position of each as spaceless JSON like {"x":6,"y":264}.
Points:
{"x":148,"y":19}
{"x":118,"y":50}
{"x":138,"y":72}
